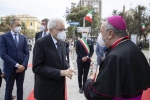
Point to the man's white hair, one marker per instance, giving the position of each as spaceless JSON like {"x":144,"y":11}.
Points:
{"x":53,"y":22}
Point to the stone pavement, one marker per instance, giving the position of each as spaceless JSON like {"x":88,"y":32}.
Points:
{"x":73,"y":90}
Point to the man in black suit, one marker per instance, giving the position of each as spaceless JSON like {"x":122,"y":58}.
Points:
{"x":67,"y":49}
{"x":84,"y":50}
{"x":43,"y":29}
{"x":49,"y":63}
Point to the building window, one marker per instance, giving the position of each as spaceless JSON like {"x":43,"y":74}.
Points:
{"x":30,"y":23}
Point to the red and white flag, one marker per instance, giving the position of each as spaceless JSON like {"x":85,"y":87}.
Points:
{"x":88,"y":17}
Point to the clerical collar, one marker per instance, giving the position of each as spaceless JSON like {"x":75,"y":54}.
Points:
{"x":119,"y":41}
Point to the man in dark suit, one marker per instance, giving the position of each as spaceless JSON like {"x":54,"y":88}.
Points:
{"x":43,"y":29}
{"x":84,"y":50}
{"x":49,"y":63}
{"x":15,"y":54}
{"x":67,"y":49}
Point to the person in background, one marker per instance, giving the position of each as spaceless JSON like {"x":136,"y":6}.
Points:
{"x":67,"y":49}
{"x":124,"y":73}
{"x":99,"y":52}
{"x":140,"y":44}
{"x":43,"y":28}
{"x":84,"y":51}
{"x":71,"y":47}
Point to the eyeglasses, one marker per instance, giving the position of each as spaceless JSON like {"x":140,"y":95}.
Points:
{"x":60,"y":29}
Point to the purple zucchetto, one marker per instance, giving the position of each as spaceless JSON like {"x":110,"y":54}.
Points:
{"x":117,"y":21}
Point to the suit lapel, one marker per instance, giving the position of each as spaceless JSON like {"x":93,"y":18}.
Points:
{"x":53,"y":48}
{"x":11,"y":39}
{"x":40,"y":34}
{"x":63,"y":53}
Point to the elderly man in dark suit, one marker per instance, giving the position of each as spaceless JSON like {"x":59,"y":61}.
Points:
{"x":49,"y":63}
{"x":84,"y":50}
{"x":15,"y":54}
{"x":43,"y":29}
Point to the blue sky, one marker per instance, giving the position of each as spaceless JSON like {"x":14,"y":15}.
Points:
{"x":56,"y":8}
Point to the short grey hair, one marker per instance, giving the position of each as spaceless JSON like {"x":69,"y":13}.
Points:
{"x":120,"y":33}
{"x":53,"y":22}
{"x":12,"y":21}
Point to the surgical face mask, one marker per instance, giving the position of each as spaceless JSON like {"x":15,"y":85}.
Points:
{"x":84,"y":35}
{"x":17,"y":29}
{"x":61,"y":36}
{"x":42,"y":27}
{"x":100,"y":40}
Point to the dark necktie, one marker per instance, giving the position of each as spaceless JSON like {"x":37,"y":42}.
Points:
{"x":16,"y":42}
{"x":44,"y":34}
{"x":59,"y":50}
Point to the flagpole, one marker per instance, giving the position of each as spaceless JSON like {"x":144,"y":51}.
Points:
{"x":92,"y":23}
{"x":91,"y":30}
{"x":83,"y":21}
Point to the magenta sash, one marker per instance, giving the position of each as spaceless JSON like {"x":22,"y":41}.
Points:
{"x":136,"y":98}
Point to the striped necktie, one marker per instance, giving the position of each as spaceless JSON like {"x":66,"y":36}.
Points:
{"x":16,"y":42}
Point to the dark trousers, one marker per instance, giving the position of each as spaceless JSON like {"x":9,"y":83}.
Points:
{"x":83,"y":69}
{"x":10,"y":79}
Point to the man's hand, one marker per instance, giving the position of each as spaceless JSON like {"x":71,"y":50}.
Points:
{"x":93,"y":76}
{"x":18,"y":71}
{"x":21,"y":68}
{"x":2,"y":75}
{"x":101,"y":59}
{"x":84,"y":59}
{"x":69,"y":73}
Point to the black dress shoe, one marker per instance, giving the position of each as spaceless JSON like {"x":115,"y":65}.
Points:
{"x":80,"y":90}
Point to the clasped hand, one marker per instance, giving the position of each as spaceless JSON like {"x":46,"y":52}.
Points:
{"x":20,"y":69}
{"x":84,"y":59}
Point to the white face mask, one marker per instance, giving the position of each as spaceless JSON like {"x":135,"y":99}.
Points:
{"x":84,"y":35}
{"x":100,"y":40}
{"x":61,"y":36}
{"x":17,"y":29}
{"x":42,"y":27}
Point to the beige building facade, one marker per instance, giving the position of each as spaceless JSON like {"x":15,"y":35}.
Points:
{"x":31,"y":22}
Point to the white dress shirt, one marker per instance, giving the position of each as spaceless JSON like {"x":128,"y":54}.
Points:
{"x":55,"y":41}
{"x":45,"y":34}
{"x":13,"y":35}
{"x":17,"y":36}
